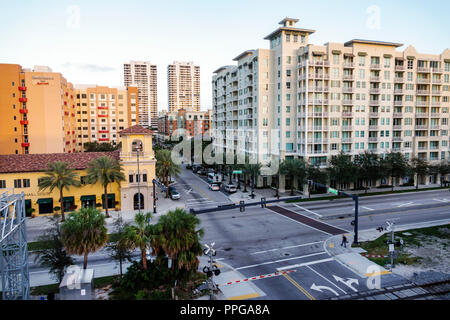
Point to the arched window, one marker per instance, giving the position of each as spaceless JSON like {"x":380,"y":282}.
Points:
{"x":137,"y":201}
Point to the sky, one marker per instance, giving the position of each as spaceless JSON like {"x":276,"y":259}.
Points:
{"x":89,"y":41}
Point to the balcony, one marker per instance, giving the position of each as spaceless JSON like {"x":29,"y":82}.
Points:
{"x":436,"y":93}
{"x":320,"y":63}
{"x":422,"y":92}
{"x":23,"y":110}
{"x":374,"y":114}
{"x":397,"y":127}
{"x":374,"y":90}
{"x":399,"y":79}
{"x":423,"y":70}
{"x":318,"y":128}
{"x":375,"y":66}
{"x":347,"y":102}
{"x":102,"y":107}
{"x":346,"y":114}
{"x":373,"y":139}
{"x":25,"y":144}
{"x":397,"y":139}
{"x":21,"y":99}
{"x":422,"y":148}
{"x":347,"y":128}
{"x":437,"y":70}
{"x":437,"y":81}
{"x":22,"y":122}
{"x":422,"y":114}
{"x":347,"y":90}
{"x":435,"y":103}
{"x":348,"y":77}
{"x":421,"y":103}
{"x":398,"y":103}
{"x":373,"y":128}
{"x":399,"y":68}
{"x":318,"y":114}
{"x":374,"y":102}
{"x":67,"y":142}
{"x":422,"y":80}
{"x":102,"y":115}
{"x":23,"y":88}
{"x":103,"y":139}
{"x":103,"y":131}
{"x":398,"y":91}
{"x":421,"y":127}
{"x":349,"y":65}
{"x":346,"y":140}
{"x":398,"y":115}
{"x":375,"y":79}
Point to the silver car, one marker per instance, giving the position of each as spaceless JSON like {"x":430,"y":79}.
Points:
{"x":230,"y":188}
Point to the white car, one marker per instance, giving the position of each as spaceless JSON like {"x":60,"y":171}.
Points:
{"x":230,"y":188}
{"x":214,"y":187}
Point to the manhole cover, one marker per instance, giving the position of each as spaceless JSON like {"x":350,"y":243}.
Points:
{"x":287,"y":254}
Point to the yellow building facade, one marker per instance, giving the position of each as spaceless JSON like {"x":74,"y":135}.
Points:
{"x":21,"y":173}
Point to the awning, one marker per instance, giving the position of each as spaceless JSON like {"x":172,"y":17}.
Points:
{"x":68,"y":199}
{"x":336,"y":51}
{"x":45,"y":201}
{"x":388,"y":55}
{"x":349,"y":55}
{"x":88,"y":198}
{"x":111,"y":196}
{"x":362,"y":53}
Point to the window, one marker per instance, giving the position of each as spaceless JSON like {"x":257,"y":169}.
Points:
{"x":17,"y":183}
{"x":26,"y":183}
{"x":288,"y":73}
{"x":362,"y":61}
{"x":410,"y":64}
{"x":130,"y":178}
{"x":2,"y":184}
{"x":335,"y":58}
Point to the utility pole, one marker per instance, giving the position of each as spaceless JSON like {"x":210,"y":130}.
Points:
{"x":392,"y":244}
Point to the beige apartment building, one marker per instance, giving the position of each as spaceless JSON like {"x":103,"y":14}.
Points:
{"x":38,"y":111}
{"x":143,"y":75}
{"x":310,"y":101}
{"x":101,"y":112}
{"x":183,"y":82}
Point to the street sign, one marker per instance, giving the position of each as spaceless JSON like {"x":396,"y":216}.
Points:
{"x":237,"y":172}
{"x":334,"y":191}
{"x":391,"y":248}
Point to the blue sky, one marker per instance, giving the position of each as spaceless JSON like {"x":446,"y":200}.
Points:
{"x":210,"y":33}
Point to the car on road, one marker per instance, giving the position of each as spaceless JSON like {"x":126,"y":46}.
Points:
{"x":174,"y":194}
{"x":230,"y":188}
{"x":214,"y":187}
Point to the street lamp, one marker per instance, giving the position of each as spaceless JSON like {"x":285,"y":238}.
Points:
{"x":138,"y":149}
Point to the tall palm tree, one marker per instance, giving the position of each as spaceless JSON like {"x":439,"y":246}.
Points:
{"x":178,"y":236}
{"x":139,"y":235}
{"x":84,"y":232}
{"x":293,"y":168}
{"x":105,"y":170}
{"x":165,"y":168}
{"x":59,"y":176}
{"x":254,"y":170}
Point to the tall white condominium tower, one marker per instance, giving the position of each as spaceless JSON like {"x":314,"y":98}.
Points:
{"x":183,"y":80}
{"x":300,"y":100}
{"x":143,"y":74}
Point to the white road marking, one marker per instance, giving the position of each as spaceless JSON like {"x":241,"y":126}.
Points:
{"x":405,"y":204}
{"x":320,"y":288}
{"x":367,"y":208}
{"x":276,"y":261}
{"x":441,"y":200}
{"x":290,"y":247}
{"x":305,"y":264}
{"x":307,"y":210}
{"x":325,"y":278}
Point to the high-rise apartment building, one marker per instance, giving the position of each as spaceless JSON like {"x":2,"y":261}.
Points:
{"x":299,"y":100}
{"x":183,"y":83}
{"x":196,"y":123}
{"x":143,"y":75}
{"x":38,"y":111}
{"x":103,"y":111}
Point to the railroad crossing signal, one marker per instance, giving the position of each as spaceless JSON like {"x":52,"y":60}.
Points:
{"x":209,"y":248}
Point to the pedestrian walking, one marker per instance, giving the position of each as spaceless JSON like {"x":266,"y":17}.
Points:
{"x":344,"y":241}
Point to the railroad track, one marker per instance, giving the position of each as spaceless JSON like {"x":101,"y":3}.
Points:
{"x":409,"y":291}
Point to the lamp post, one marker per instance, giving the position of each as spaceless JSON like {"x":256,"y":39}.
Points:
{"x":138,"y":149}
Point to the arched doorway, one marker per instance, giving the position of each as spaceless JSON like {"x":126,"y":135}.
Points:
{"x":136,"y":201}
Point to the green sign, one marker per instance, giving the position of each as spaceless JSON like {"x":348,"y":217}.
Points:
{"x":331,"y":190}
{"x":237,"y":172}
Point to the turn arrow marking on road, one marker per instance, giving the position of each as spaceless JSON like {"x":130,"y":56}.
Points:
{"x":320,"y":288}
{"x":348,"y":282}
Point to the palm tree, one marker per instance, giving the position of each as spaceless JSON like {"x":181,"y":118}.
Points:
{"x":59,"y":176}
{"x":420,"y":168}
{"x":315,"y":174}
{"x":84,"y":232}
{"x":177,"y":235}
{"x":165,"y":168}
{"x":105,"y":170}
{"x":139,"y":235}
{"x":254,"y":171}
{"x":342,"y":169}
{"x":294,"y":168}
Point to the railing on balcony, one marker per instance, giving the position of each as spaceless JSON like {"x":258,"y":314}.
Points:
{"x":348,"y":77}
{"x":398,"y":91}
{"x":22,"y":88}
{"x":397,"y":127}
{"x":421,"y":103}
{"x":373,"y":127}
{"x":422,"y":114}
{"x":421,"y":127}
{"x":347,"y":128}
{"x":374,"y":102}
{"x":397,"y":139}
{"x":346,"y":140}
{"x":436,"y":92}
{"x":373,"y":139}
{"x":399,"y":68}
{"x":373,"y":114}
{"x":423,"y":69}
{"x":374,"y":79}
{"x":398,"y":114}
{"x":422,"y":92}
{"x":347,"y":114}
{"x":349,"y":65}
{"x":347,"y":102}
{"x":375,"y":66}
{"x":374,"y":90}
{"x":422,"y":80}
{"x":399,"y":79}
{"x":347,"y":90}
{"x":398,"y":103}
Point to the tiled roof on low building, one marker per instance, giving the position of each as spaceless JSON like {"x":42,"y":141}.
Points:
{"x":136,"y":129}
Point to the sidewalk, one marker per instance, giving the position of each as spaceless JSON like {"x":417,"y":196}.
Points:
{"x":351,"y":257}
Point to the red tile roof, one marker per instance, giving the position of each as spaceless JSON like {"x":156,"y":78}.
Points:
{"x":11,"y":163}
{"x":136,"y":129}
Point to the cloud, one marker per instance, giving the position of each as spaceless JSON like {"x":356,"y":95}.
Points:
{"x":88,"y":67}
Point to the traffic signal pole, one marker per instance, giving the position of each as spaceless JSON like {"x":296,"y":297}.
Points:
{"x":355,"y":198}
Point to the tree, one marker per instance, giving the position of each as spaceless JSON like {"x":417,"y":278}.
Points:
{"x":419,"y":168}
{"x":368,"y":165}
{"x":442,"y":169}
{"x":342,"y":169}
{"x":177,"y":235}
{"x":116,"y":248}
{"x":294,"y":168}
{"x":139,"y":235}
{"x":100,"y":147}
{"x":84,"y":232}
{"x":59,"y":176}
{"x":105,"y":170}
{"x":314,"y":173}
{"x":166,"y":168}
{"x":254,"y":170}
{"x":53,"y":255}
{"x":394,"y":165}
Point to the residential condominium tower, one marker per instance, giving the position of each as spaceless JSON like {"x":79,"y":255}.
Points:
{"x":143,"y":74}
{"x":299,"y":100}
{"x":103,"y":111}
{"x":183,"y":81}
{"x":38,"y":111}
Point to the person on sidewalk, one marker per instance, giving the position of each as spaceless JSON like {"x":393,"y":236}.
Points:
{"x":344,"y":241}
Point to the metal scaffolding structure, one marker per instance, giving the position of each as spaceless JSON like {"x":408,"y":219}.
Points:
{"x":15,"y":278}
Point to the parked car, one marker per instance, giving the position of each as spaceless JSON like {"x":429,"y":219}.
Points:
{"x":214,"y":187}
{"x":230,"y":188}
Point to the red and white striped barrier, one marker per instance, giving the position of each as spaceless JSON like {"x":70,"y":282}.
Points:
{"x":374,"y":255}
{"x":275,"y":274}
